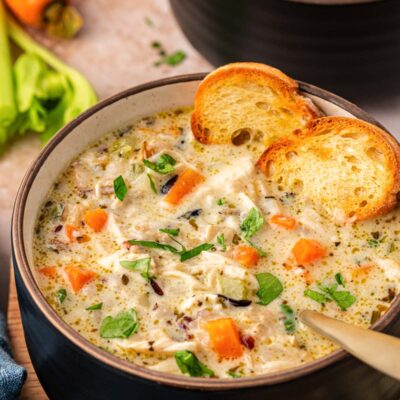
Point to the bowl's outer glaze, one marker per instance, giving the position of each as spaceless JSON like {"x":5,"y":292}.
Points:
{"x":352,"y":49}
{"x":69,"y":367}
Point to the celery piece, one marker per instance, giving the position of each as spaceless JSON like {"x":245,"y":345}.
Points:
{"x":233,"y":288}
{"x":78,"y":96}
{"x":8,"y":110}
{"x":27,"y":69}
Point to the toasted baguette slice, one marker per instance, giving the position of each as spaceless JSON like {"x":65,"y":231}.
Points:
{"x":251,"y":98}
{"x":346,"y":166}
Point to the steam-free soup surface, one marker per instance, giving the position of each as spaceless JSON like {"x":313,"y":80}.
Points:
{"x":176,"y":256}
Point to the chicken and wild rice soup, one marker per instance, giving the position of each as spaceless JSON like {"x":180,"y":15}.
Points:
{"x":176,"y":256}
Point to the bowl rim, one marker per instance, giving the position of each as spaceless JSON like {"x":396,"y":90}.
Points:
{"x":112,"y":361}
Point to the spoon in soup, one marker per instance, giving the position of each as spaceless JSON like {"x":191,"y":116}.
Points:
{"x":378,"y":350}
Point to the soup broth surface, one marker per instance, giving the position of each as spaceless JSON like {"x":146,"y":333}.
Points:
{"x":220,"y":292}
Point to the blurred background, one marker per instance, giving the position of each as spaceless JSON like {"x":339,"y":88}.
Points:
{"x":351,"y":47}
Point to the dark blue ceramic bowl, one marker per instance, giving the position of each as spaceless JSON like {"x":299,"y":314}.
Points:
{"x":69,"y":367}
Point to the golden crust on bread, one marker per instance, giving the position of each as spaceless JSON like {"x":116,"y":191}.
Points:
{"x":248,"y":96}
{"x":345,"y":166}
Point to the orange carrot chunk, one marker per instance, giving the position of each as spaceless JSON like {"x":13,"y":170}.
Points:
{"x":224,"y":337}
{"x":96,"y":219}
{"x":246,"y":255}
{"x":284,"y":221}
{"x":71,"y":232}
{"x":49,"y":272}
{"x":30,"y":12}
{"x":306,"y":251}
{"x":183,"y":186}
{"x":79,"y":277}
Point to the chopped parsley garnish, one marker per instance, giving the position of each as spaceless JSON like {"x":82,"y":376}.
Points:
{"x":172,"y":59}
{"x":289,"y":322}
{"x":221,"y":241}
{"x":221,"y":202}
{"x":343,"y":298}
{"x":234,"y":374}
{"x":154,"y":245}
{"x":320,"y":298}
{"x":122,"y":326}
{"x":164,"y":165}
{"x":252,"y":223}
{"x":152,"y":184}
{"x":94,"y":307}
{"x":270,"y":287}
{"x":120,"y":188}
{"x":184,"y":254}
{"x":187,"y":254}
{"x":61,"y":295}
{"x":172,"y":232}
{"x":339,"y":278}
{"x":142,"y":265}
{"x":189,"y":364}
{"x":148,"y":21}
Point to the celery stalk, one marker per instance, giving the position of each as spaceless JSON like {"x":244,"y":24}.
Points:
{"x":8,"y":111}
{"x":81,"y":96}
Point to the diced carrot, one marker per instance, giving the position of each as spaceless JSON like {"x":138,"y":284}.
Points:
{"x":96,"y":219}
{"x":30,"y":12}
{"x":49,"y":272}
{"x":284,"y":221}
{"x":246,"y":255}
{"x":79,"y":277}
{"x":224,"y":337}
{"x":71,"y":232}
{"x":306,"y":251}
{"x":183,"y":186}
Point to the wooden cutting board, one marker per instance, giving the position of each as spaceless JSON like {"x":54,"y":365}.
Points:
{"x":32,"y":389}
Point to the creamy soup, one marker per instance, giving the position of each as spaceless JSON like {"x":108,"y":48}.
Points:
{"x":175,"y":255}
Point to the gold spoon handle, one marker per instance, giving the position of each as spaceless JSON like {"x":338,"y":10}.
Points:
{"x":378,"y":350}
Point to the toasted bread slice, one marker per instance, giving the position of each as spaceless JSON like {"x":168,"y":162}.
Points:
{"x":243,"y":99}
{"x":346,"y":166}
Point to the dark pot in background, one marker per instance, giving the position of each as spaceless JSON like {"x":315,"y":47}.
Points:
{"x":349,"y":46}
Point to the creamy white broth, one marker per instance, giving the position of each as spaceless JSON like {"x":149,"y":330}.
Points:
{"x":365,"y":253}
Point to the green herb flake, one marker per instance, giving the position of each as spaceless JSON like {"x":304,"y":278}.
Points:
{"x":373,"y":243}
{"x":154,"y":245}
{"x":289,"y":322}
{"x":164,"y":165}
{"x":170,"y":231}
{"x":122,"y":326}
{"x":221,"y":241}
{"x":343,"y":299}
{"x":94,"y":307}
{"x":270,"y":288}
{"x":142,"y":265}
{"x":61,"y":295}
{"x":152,"y":184}
{"x":189,"y":364}
{"x":234,"y":374}
{"x":320,"y":298}
{"x":187,"y":254}
{"x":252,"y":223}
{"x":339,"y":278}
{"x":120,"y":188}
{"x":221,"y":202}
